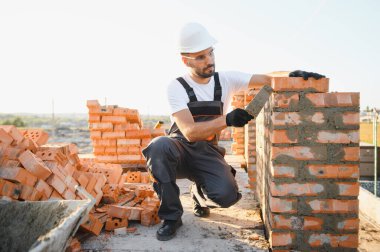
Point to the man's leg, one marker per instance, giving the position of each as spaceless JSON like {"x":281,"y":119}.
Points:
{"x":216,"y":185}
{"x":163,"y":157}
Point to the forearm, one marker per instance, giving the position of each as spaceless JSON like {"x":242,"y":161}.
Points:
{"x":199,"y":131}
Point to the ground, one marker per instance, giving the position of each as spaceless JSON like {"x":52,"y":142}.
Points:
{"x":238,"y":228}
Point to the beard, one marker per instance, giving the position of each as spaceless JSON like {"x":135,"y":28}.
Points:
{"x":204,"y":72}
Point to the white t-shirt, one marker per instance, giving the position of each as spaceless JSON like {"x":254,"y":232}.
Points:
{"x":231,"y":83}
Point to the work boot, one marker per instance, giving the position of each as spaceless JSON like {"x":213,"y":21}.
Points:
{"x":168,"y":229}
{"x":198,"y":210}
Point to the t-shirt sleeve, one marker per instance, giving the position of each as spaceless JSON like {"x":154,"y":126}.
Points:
{"x":177,"y":97}
{"x":238,"y":81}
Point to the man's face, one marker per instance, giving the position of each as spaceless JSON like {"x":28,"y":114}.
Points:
{"x":201,"y":63}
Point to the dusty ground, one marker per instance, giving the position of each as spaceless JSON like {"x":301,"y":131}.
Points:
{"x":238,"y":228}
{"x":369,"y":235}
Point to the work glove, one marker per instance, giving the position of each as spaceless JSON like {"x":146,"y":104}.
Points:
{"x":306,"y":75}
{"x":238,"y":118}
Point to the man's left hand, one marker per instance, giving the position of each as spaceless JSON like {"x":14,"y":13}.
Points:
{"x":306,"y":75}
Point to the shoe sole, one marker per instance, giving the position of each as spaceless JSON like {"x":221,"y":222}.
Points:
{"x":167,"y":238}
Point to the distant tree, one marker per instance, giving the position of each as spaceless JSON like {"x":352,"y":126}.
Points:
{"x":367,"y":109}
{"x":18,"y":122}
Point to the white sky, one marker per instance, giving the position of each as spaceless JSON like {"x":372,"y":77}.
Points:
{"x":125,"y":51}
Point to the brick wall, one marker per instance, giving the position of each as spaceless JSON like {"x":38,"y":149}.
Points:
{"x":307,"y":166}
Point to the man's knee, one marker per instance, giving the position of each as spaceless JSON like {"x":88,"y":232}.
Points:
{"x":227,"y":196}
{"x":159,"y":146}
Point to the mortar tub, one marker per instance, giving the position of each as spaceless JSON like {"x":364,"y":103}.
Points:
{"x":40,"y":225}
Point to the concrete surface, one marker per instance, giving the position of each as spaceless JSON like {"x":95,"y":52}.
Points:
{"x":238,"y":228}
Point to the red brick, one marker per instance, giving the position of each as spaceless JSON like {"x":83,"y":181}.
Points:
{"x":312,"y":223}
{"x":13,"y":132}
{"x":94,"y":118}
{"x":113,"y":223}
{"x":348,"y":188}
{"x":95,"y":134}
{"x":107,"y":158}
{"x":114,"y":119}
{"x":55,"y":182}
{"x":19,"y":175}
{"x":333,"y":136}
{"x":300,"y":152}
{"x":44,"y":188}
{"x":336,"y":171}
{"x":128,"y":142}
{"x":93,"y":104}
{"x":34,"y":165}
{"x":349,"y":224}
{"x":351,"y":154}
{"x":9,"y":189}
{"x":281,"y":238}
{"x":348,"y":118}
{"x":5,"y":137}
{"x":284,"y":136}
{"x":126,"y":126}
{"x":299,"y":84}
{"x":93,"y":225}
{"x":296,"y":189}
{"x":101,"y":126}
{"x":279,"y":205}
{"x":39,"y":136}
{"x":131,"y":159}
{"x":99,"y":150}
{"x":295,"y":222}
{"x":334,"y":99}
{"x":142,"y":133}
{"x":104,"y":142}
{"x":68,"y":194}
{"x":158,"y":132}
{"x":286,"y":100}
{"x":334,"y":240}
{"x":297,"y":118}
{"x":110,"y":150}
{"x":282,"y":171}
{"x":113,"y":135}
{"x":56,"y":196}
{"x":333,"y":206}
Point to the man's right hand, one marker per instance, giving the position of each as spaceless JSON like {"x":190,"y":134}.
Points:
{"x":238,"y":118}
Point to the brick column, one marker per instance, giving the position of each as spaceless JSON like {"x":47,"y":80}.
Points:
{"x":237,"y":146}
{"x":250,"y":145}
{"x":307,"y":166}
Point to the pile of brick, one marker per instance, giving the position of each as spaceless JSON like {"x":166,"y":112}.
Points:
{"x":237,"y":147}
{"x":31,"y":170}
{"x":117,"y":134}
{"x":308,"y":166}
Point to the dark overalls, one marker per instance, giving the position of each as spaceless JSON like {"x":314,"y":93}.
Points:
{"x":171,"y":157}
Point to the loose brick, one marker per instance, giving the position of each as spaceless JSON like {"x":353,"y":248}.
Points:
{"x":34,"y":165}
{"x":93,"y":225}
{"x":337,"y":171}
{"x":113,"y":223}
{"x":13,"y":132}
{"x":5,"y":137}
{"x":17,"y":174}
{"x":299,"y":84}
{"x":333,"y":206}
{"x":334,"y":99}
{"x":44,"y":188}
{"x":55,"y":182}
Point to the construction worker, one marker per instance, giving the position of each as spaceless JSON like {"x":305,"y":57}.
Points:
{"x":199,"y":101}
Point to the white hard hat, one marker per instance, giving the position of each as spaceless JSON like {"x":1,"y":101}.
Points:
{"x":194,"y":38}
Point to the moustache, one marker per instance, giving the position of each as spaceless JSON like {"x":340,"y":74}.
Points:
{"x":209,"y":66}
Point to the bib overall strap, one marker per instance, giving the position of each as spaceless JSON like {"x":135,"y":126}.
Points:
{"x":189,"y":90}
{"x":217,"y":88}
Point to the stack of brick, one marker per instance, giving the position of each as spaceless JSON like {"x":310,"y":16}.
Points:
{"x":308,"y":166}
{"x":237,"y":147}
{"x":117,"y":134}
{"x":250,"y":144}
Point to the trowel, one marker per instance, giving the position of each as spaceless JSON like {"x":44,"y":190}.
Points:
{"x":254,"y":107}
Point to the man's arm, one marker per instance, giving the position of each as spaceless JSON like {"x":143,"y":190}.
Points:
{"x":198,"y":131}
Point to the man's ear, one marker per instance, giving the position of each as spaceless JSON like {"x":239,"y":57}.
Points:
{"x":185,"y":61}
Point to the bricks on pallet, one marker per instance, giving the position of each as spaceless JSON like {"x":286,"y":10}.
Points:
{"x":309,"y":139}
{"x":34,"y":165}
